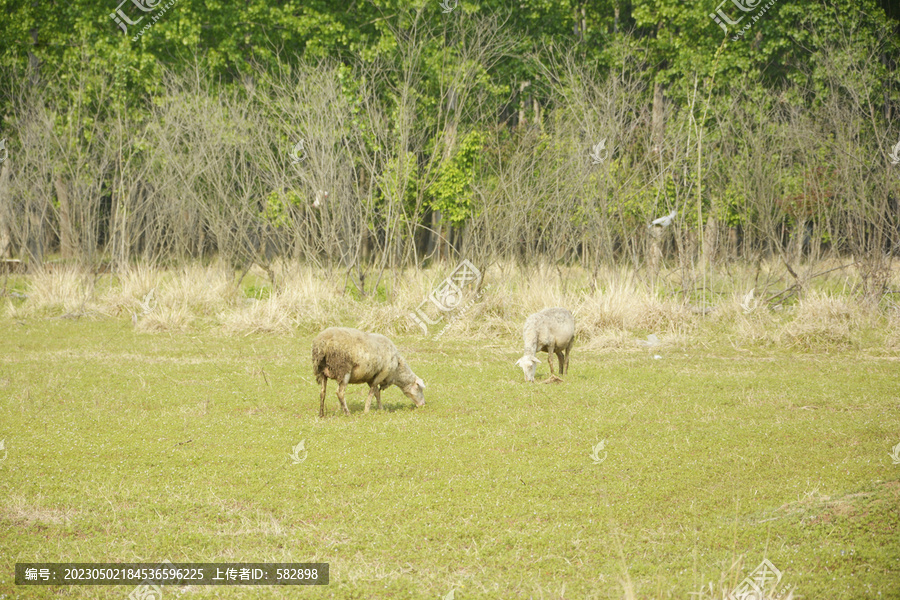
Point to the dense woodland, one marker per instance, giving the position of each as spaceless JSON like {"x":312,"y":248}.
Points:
{"x":386,"y":134}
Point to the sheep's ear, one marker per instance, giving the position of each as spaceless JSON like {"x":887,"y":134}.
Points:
{"x":420,"y":383}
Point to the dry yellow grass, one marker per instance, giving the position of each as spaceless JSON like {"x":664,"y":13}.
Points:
{"x":66,"y":289}
{"x":823,"y":320}
{"x":613,"y":309}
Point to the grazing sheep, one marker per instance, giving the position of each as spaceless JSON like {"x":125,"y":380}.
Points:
{"x":352,"y":356}
{"x":551,"y":330}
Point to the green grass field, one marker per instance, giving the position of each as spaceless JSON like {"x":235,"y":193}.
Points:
{"x":129,"y":447}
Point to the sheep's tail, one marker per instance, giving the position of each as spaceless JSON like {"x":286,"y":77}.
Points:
{"x":318,"y":359}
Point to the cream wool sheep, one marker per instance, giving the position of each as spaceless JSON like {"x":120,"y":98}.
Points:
{"x":352,"y":356}
{"x":551,"y":330}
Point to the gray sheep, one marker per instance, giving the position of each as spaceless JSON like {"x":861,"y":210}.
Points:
{"x":352,"y":356}
{"x":551,"y":330}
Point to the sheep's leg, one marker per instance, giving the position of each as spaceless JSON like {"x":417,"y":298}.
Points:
{"x":553,"y":378}
{"x":373,"y":391}
{"x":341,"y":388}
{"x":322,"y":399}
{"x":566,"y":371}
{"x":378,"y":396}
{"x":562,"y":361}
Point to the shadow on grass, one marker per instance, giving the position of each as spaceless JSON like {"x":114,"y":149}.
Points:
{"x":359,"y":407}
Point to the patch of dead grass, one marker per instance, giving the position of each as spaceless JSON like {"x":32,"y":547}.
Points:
{"x":22,"y":512}
{"x":613,"y":307}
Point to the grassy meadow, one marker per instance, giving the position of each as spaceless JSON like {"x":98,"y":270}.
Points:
{"x":142,"y":429}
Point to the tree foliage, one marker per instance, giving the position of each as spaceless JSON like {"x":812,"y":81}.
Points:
{"x":160,"y":129}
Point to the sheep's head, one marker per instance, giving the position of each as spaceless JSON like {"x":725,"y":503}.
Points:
{"x":416,"y":391}
{"x":529,"y":364}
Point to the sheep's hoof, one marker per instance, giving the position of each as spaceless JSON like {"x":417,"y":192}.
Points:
{"x":552,"y":379}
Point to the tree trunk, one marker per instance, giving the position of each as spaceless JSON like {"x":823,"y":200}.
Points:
{"x":522,"y":87}
{"x":732,"y":244}
{"x":34,"y":231}
{"x":799,"y":238}
{"x":580,"y":22}
{"x":66,"y":231}
{"x":657,"y":126}
{"x":710,"y":241}
{"x":440,"y":226}
{"x":5,"y":241}
{"x":117,"y":234}
{"x":655,"y":254}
